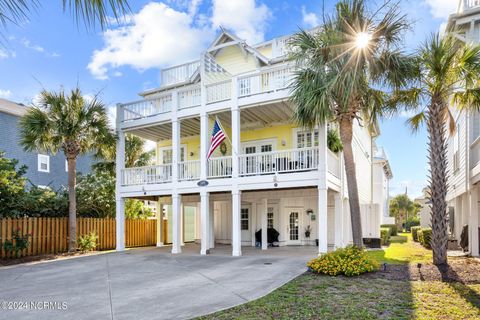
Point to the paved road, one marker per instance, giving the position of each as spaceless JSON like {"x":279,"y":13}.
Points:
{"x":149,"y":283}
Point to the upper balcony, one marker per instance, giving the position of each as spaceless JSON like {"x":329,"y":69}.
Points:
{"x":249,"y":88}
{"x":466,"y":5}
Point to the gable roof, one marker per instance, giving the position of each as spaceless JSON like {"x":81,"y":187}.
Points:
{"x":13,"y":108}
{"x":226,"y":39}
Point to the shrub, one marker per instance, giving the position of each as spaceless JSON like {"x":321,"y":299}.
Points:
{"x":87,"y":242}
{"x":17,"y":244}
{"x":414,"y":231}
{"x":426,"y":237}
{"x":392,"y":227}
{"x":333,"y":141}
{"x":420,"y":236}
{"x":412,"y":222}
{"x":349,"y":261}
{"x":385,"y":235}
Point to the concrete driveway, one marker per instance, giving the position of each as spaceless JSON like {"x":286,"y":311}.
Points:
{"x":147,"y":283}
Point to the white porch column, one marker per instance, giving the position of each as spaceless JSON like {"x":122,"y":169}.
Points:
{"x":120,"y":202}
{"x":203,"y":145}
{"x":120,"y":224}
{"x":264,"y":224}
{"x":211,"y":222}
{"x":182,"y":223}
{"x":473,"y":222}
{"x":204,"y":211}
{"x":236,"y":227}
{"x":235,"y":130}
{"x":338,"y":220}
{"x":175,"y":146}
{"x":159,"y":224}
{"x":322,"y":190}
{"x":176,"y":227}
{"x":253,"y":219}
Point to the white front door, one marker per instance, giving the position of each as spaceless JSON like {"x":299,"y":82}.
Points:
{"x":245,"y":224}
{"x":294,"y":226}
{"x":257,"y":163}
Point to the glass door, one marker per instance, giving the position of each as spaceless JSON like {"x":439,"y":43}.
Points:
{"x":293,"y":228}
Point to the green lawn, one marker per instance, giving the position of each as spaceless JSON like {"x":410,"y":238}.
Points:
{"x":323,"y":297}
{"x":402,"y":252}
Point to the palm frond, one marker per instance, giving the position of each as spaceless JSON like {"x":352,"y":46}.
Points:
{"x":417,"y":120}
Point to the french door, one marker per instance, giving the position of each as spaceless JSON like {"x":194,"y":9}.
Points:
{"x":245,"y":224}
{"x":257,"y":163}
{"x":294,"y":227}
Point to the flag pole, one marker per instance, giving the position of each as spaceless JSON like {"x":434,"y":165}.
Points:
{"x":226,"y":135}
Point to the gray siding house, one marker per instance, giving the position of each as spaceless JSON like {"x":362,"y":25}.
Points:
{"x":43,"y":169}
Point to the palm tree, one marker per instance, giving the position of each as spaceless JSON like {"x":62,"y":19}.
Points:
{"x":448,"y":73}
{"x":341,"y":67}
{"x":71,"y":124}
{"x":399,"y":207}
{"x":90,"y":11}
{"x":135,"y":155}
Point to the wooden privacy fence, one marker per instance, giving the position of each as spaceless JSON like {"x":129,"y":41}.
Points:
{"x":50,"y":235}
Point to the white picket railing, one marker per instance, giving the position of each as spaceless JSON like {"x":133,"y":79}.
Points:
{"x":265,"y":81}
{"x":333,"y":163}
{"x":220,"y":167}
{"x":148,"y":107}
{"x":147,"y":175}
{"x":178,"y":74}
{"x":189,"y":97}
{"x":279,"y":161}
{"x":219,"y":91}
{"x":189,"y":170}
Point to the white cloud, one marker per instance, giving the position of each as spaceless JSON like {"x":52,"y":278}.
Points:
{"x":28,"y":44}
{"x":5,"y":93}
{"x":3,"y":54}
{"x":159,"y":35}
{"x":310,"y":19}
{"x":442,"y":8}
{"x":247,"y":20}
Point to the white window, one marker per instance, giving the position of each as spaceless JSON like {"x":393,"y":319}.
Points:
{"x":166,"y":154}
{"x":244,"y":220}
{"x":43,"y":163}
{"x":306,"y":138}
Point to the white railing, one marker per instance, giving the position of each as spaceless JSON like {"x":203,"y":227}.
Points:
{"x":147,"y":175}
{"x":266,"y":81}
{"x":189,"y":170}
{"x":148,"y":107}
{"x":219,"y":91}
{"x":179,"y":74}
{"x":220,"y":167}
{"x":279,"y":161}
{"x":189,"y":97}
{"x":333,"y":163}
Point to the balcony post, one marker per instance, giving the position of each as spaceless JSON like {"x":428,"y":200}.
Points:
{"x":204,"y":221}
{"x":120,"y":166}
{"x":235,"y":129}
{"x":211,"y":220}
{"x":264,"y":223}
{"x":236,"y":227}
{"x":176,"y":228}
{"x":338,"y":220}
{"x":473,"y":223}
{"x":175,"y":145}
{"x":203,"y":145}
{"x":322,"y":190}
{"x":159,"y":223}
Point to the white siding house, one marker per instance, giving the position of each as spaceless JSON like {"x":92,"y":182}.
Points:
{"x":269,"y":174}
{"x":463,"y":146}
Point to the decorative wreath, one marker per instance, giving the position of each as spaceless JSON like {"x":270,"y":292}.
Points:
{"x":223,"y":148}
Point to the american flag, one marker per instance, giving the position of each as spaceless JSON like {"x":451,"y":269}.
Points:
{"x":217,"y":137}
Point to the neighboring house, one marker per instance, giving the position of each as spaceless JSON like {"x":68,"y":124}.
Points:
{"x":425,"y":212}
{"x":43,"y":169}
{"x":382,"y":174}
{"x":269,"y":174}
{"x":464,"y":146}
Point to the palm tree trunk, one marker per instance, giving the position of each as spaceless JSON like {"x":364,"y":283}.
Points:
{"x":72,"y":204}
{"x":438,"y":182}
{"x":346,"y":134}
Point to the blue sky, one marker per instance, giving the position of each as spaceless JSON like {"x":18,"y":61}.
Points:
{"x":51,"y":50}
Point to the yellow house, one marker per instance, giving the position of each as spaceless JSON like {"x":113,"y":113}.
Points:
{"x":269,"y":183}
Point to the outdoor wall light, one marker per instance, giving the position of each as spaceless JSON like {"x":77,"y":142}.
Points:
{"x":192,"y":154}
{"x":309,"y":212}
{"x":284,"y":142}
